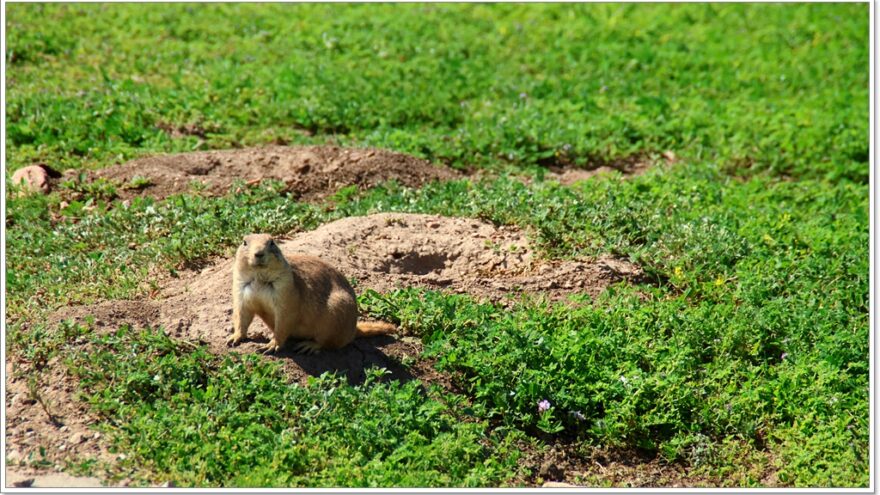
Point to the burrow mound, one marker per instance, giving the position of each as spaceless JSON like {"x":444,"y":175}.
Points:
{"x":383,"y":252}
{"x":309,"y":172}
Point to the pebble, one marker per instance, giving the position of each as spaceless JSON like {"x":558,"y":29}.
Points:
{"x":76,"y":439}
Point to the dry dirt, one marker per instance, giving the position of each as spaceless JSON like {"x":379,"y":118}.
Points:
{"x":310,"y":172}
{"x":567,"y":176}
{"x":561,"y":465}
{"x":52,"y":430}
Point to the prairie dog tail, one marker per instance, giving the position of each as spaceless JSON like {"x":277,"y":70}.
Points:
{"x":371,"y":328}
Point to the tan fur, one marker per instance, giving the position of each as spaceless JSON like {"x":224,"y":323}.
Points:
{"x":300,"y":297}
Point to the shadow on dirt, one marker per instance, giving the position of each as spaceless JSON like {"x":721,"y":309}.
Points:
{"x":352,"y":361}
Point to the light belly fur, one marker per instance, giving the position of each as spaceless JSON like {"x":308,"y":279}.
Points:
{"x":260,"y":299}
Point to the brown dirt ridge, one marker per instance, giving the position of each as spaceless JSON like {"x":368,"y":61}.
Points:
{"x":309,"y":172}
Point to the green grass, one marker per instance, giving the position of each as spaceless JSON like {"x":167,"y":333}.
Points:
{"x":747,"y":348}
{"x":762,"y":87}
{"x":203,"y":420}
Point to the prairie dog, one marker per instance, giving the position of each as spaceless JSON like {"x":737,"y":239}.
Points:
{"x":300,"y":297}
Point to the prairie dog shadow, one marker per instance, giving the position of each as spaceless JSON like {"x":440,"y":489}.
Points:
{"x":352,"y":360}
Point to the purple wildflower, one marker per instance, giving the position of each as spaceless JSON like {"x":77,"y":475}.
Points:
{"x":543,"y":405}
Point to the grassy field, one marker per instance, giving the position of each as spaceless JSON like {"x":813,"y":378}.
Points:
{"x":747,"y":351}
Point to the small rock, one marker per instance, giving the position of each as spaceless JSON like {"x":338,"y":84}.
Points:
{"x":13,"y":457}
{"x":63,"y":428}
{"x":34,"y":178}
{"x":169,"y":484}
{"x":670,"y":156}
{"x":557,"y":484}
{"x":76,"y":439}
{"x":96,"y":435}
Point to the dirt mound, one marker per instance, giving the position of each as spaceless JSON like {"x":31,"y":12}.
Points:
{"x":310,"y":172}
{"x":392,"y":250}
{"x":381,"y":252}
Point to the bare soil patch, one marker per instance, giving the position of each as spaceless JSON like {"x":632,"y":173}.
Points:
{"x":45,"y":432}
{"x":564,"y":464}
{"x":564,"y":172}
{"x":309,"y":172}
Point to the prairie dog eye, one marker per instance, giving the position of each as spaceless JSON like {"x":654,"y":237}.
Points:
{"x":244,"y":242}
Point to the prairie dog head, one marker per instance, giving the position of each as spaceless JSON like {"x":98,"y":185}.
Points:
{"x":258,"y":254}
